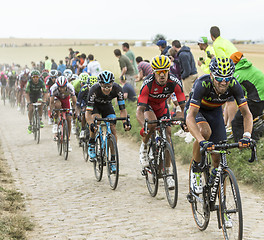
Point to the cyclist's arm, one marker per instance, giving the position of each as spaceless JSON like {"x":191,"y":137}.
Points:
{"x":247,"y":118}
{"x":192,"y":125}
{"x":140,"y":115}
{"x":51,"y":103}
{"x":27,"y":97}
{"x":74,"y":100}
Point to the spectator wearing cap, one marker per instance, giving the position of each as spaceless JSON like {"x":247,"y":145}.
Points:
{"x":144,"y":69}
{"x":187,"y":65}
{"x":252,"y":81}
{"x":93,"y":67}
{"x":210,"y":54}
{"x":162,"y":44}
{"x":82,"y":63}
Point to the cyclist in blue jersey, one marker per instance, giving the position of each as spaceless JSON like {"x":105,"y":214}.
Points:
{"x":204,"y":112}
{"x":99,"y":103}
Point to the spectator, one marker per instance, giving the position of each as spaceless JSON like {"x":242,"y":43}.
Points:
{"x":210,"y":54}
{"x":130,"y":55}
{"x":41,"y":66}
{"x":68,"y":63}
{"x":222,"y":47}
{"x":126,"y":67}
{"x":187,"y":65}
{"x":53,"y":64}
{"x":93,"y":67}
{"x":74,"y":61}
{"x":129,"y":91}
{"x":61,"y":66}
{"x":47,"y":63}
{"x":162,"y":44}
{"x":175,"y":64}
{"x":33,"y":64}
{"x":71,"y":53}
{"x":82,"y":63}
{"x":252,"y":81}
{"x":144,"y":69}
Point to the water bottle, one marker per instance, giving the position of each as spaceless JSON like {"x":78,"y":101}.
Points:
{"x":212,"y":176}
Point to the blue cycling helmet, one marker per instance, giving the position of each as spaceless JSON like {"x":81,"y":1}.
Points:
{"x":105,"y":77}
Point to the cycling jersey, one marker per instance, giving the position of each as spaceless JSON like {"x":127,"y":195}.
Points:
{"x":49,"y":82}
{"x":23,"y":78}
{"x":12,"y":80}
{"x":203,"y":94}
{"x":35,"y":91}
{"x":82,"y":96}
{"x":96,"y":96}
{"x":77,"y":84}
{"x":55,"y":92}
{"x":155,"y":95}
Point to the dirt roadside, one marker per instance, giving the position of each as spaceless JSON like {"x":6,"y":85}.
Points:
{"x":65,"y":201}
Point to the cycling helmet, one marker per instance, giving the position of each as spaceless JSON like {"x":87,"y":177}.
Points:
{"x":53,"y":73}
{"x":59,"y":73}
{"x":67,"y":73}
{"x":161,"y":62}
{"x":61,"y":81}
{"x":26,"y":71}
{"x":45,"y":70}
{"x":73,"y":77}
{"x":35,"y":73}
{"x":84,"y":77}
{"x":105,"y":77}
{"x":44,"y":74}
{"x":91,"y":80}
{"x":222,"y":67}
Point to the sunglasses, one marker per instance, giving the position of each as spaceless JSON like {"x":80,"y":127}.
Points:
{"x":164,"y":71}
{"x":35,"y":76}
{"x":221,"y":79}
{"x":106,"y":86}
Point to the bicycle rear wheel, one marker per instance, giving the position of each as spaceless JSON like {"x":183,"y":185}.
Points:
{"x":12,"y":98}
{"x":65,"y":143}
{"x":170,"y":174}
{"x":230,"y":207}
{"x":4,"y":96}
{"x":59,"y":139}
{"x":23,"y":104}
{"x":199,"y":202}
{"x":150,"y":172}
{"x":98,"y":163}
{"x":36,"y":126}
{"x":112,"y":161}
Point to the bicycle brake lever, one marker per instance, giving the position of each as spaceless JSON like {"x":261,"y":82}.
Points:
{"x":253,"y":147}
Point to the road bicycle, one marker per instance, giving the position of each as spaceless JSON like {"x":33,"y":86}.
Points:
{"x":23,"y":103}
{"x":83,"y":142}
{"x":3,"y":92}
{"x":106,"y":151}
{"x":36,"y":122}
{"x":63,"y":132}
{"x":224,"y":185}
{"x":162,"y":163}
{"x":12,"y":97}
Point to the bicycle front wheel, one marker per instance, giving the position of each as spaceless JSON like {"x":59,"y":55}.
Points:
{"x":98,"y":161}
{"x":199,"y":202}
{"x":65,"y":143}
{"x":170,"y":176}
{"x":230,"y":207}
{"x":37,"y":127}
{"x":59,"y":139}
{"x":112,"y":161}
{"x":150,"y":172}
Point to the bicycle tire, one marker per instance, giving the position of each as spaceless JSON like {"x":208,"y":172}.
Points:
{"x":111,"y":160}
{"x":85,"y":150}
{"x":230,"y":203}
{"x":98,"y":163}
{"x":36,"y":126}
{"x":65,"y":144}
{"x":23,"y":104}
{"x":171,"y":193}
{"x":4,"y":96}
{"x":59,"y":139}
{"x":152,"y":180}
{"x":200,"y":204}
{"x":12,"y":98}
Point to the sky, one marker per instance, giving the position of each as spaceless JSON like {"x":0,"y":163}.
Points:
{"x":134,"y":19}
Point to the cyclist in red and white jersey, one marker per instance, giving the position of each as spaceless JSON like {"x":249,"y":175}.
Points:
{"x":60,"y":95}
{"x":152,"y":104}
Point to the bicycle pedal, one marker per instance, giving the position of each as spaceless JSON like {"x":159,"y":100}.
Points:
{"x":190,"y":198}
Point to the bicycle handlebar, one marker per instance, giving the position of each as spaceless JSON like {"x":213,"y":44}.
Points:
{"x":112,"y":119}
{"x":174,"y":121}
{"x":225,"y":146}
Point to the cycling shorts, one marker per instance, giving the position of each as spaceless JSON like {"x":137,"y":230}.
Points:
{"x":104,"y":110}
{"x":34,"y":98}
{"x":164,"y":114}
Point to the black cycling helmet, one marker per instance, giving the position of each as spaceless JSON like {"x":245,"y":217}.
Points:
{"x":105,"y":77}
{"x":222,"y":67}
{"x":35,"y":73}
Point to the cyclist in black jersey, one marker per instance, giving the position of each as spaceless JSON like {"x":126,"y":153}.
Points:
{"x":99,"y":102}
{"x":204,"y":112}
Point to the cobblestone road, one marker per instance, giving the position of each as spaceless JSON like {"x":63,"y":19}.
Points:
{"x":65,"y":201}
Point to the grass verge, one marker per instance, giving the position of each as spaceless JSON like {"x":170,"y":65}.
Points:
{"x":13,"y":222}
